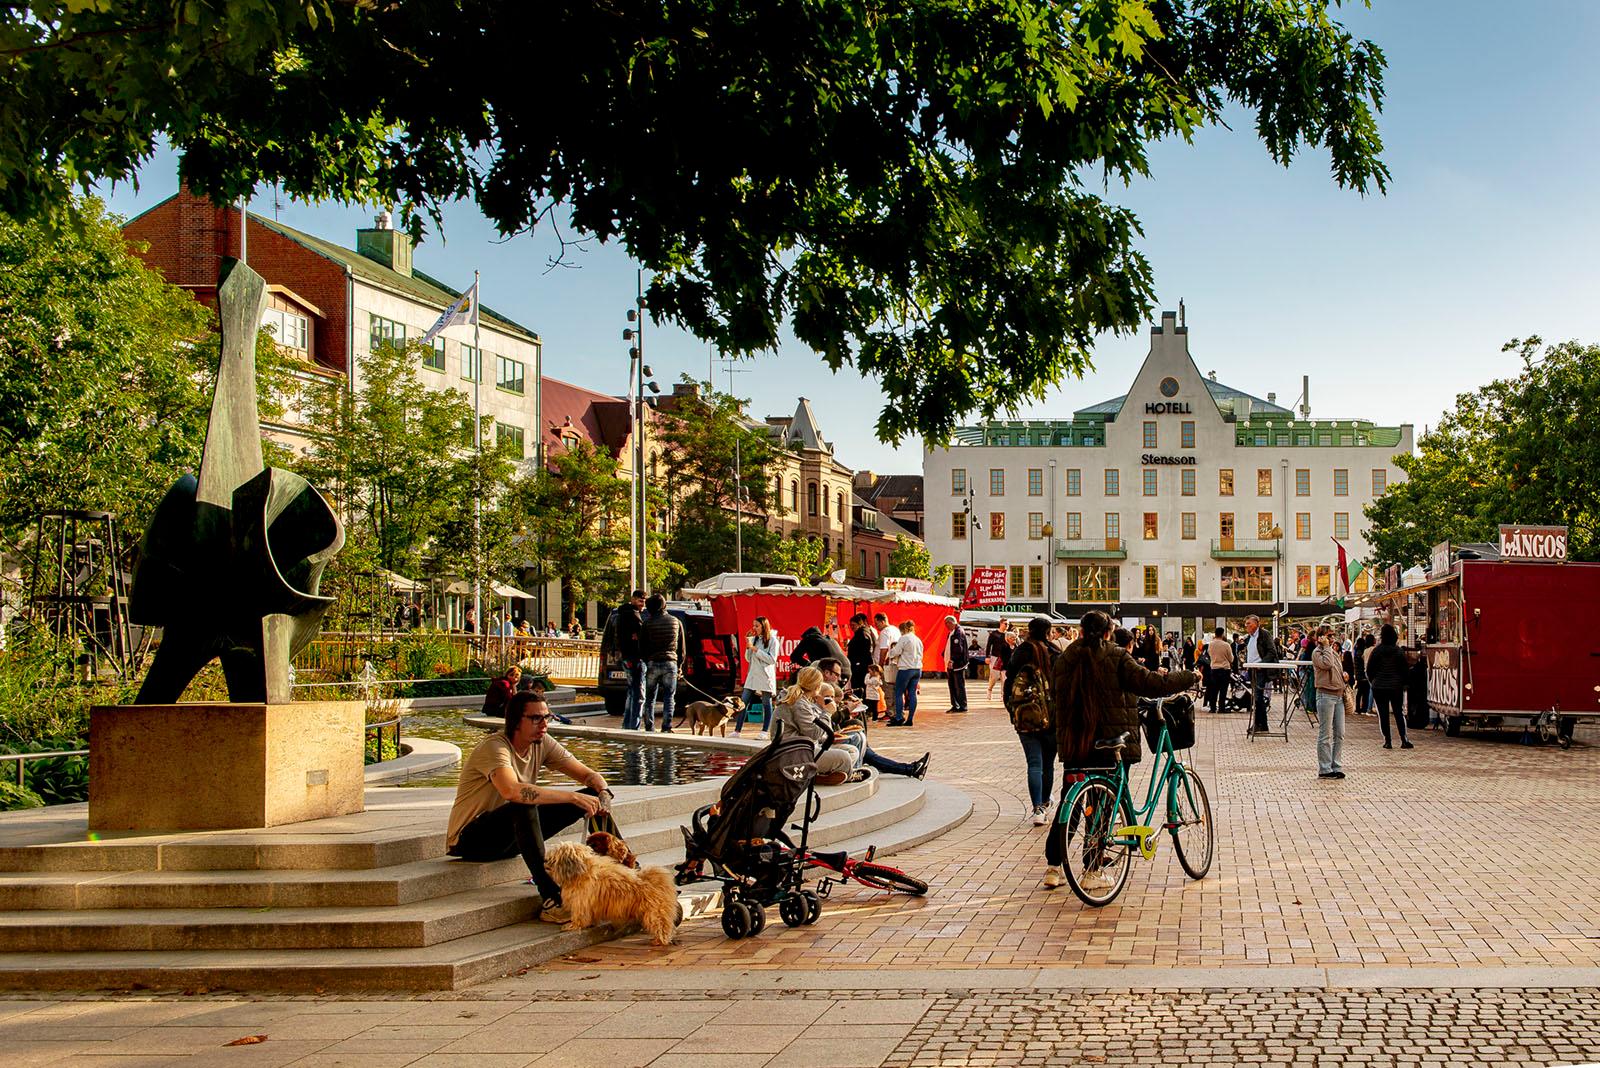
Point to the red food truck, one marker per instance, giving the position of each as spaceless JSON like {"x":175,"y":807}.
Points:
{"x":1502,"y":629}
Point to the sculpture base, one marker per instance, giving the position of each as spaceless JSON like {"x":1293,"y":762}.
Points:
{"x":193,"y":767}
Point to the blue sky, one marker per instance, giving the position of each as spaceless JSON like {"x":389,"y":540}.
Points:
{"x":1392,"y":304}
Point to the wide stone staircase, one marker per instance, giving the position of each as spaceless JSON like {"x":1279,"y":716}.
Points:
{"x":366,"y":902}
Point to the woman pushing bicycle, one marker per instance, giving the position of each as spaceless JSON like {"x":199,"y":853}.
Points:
{"x":1095,"y":689}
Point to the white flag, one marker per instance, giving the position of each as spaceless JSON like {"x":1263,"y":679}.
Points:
{"x":464,"y":310}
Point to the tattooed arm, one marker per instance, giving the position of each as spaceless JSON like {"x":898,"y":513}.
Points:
{"x":514,"y":789}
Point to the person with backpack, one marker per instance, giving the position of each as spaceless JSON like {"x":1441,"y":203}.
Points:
{"x":956,"y":654}
{"x":1027,"y":700}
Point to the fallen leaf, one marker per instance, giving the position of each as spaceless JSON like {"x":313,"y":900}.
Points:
{"x":247,"y":1040}
{"x":582,"y":960}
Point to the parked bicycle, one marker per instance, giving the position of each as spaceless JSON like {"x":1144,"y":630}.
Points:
{"x":1102,"y":832}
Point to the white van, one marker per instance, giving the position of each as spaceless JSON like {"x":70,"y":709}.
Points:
{"x":744,"y":580}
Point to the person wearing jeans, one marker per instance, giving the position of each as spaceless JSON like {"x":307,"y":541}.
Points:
{"x":629,"y":623}
{"x":907,"y":657}
{"x":1327,"y":668}
{"x":1386,"y":672}
{"x":662,"y":648}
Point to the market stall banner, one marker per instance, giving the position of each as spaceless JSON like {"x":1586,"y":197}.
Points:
{"x":928,"y":616}
{"x":790,"y":616}
{"x":987,"y":588}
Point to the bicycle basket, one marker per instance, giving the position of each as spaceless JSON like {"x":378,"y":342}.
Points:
{"x":1178,"y":715}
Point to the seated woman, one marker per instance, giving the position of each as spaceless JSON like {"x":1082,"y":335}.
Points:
{"x":801,"y":713}
{"x":1095,"y":690}
{"x":850,"y":724}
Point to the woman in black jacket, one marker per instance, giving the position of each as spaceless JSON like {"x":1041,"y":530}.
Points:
{"x":1038,"y":746}
{"x":1386,"y":674}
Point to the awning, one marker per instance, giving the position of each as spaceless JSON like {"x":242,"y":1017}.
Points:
{"x":463,"y":588}
{"x":1406,"y":591}
{"x":399,"y":582}
{"x":502,"y":590}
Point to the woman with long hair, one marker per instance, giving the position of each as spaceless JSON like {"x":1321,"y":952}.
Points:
{"x":1038,"y":746}
{"x":801,"y":711}
{"x":760,"y":678}
{"x":1386,"y":672}
{"x":1095,"y":692}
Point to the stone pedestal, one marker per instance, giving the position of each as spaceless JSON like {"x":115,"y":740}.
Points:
{"x":185,"y":767}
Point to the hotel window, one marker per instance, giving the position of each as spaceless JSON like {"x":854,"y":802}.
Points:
{"x":811,"y":498}
{"x":1035,"y":581}
{"x":1016,"y":580}
{"x":1360,"y":583}
{"x":1191,"y":583}
{"x":1263,"y":482}
{"x":433,"y":355}
{"x":1074,"y":482}
{"x":1188,"y":526}
{"x":1035,"y":482}
{"x":1323,"y":576}
{"x":1251,"y":583}
{"x":509,"y":436}
{"x":1380,"y":481}
{"x":1225,"y":482}
{"x":1186,"y":434}
{"x":1187,"y":480}
{"x":1341,"y":525}
{"x":997,"y":482}
{"x":1152,"y":581}
{"x":1225,"y":526}
{"x":1151,"y":527}
{"x":287,"y":328}
{"x":1094,"y":584}
{"x":1263,"y":524}
{"x":1302,"y":526}
{"x":1113,"y":527}
{"x":958,"y":576}
{"x":958,"y":526}
{"x":1035,"y":526}
{"x":1149,"y":435}
{"x":471,"y":363}
{"x":510,"y":375}
{"x":997,"y":526}
{"x":958,"y":481}
{"x":1302,"y":580}
{"x":1302,"y":482}
{"x":1074,"y":526}
{"x":381,"y":331}
{"x":1113,"y":482}
{"x":1341,"y":482}
{"x":1150,"y":482}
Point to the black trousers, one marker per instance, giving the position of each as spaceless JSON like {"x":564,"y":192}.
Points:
{"x":1216,"y":688}
{"x":1261,"y":697}
{"x":1391,"y":702}
{"x":957,"y":678}
{"x":515,"y":828}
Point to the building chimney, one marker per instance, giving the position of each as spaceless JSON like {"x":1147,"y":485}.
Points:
{"x":1305,"y":396}
{"x":386,"y":245}
{"x":1272,"y":398}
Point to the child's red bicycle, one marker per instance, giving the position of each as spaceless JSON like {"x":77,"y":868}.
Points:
{"x":865,"y":871}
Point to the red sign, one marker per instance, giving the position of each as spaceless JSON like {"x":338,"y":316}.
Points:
{"x":1546,"y":544}
{"x":987,"y":587}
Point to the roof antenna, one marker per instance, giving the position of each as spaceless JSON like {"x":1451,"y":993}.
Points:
{"x":1180,"y":311}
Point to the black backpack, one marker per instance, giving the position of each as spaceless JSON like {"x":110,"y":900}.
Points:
{"x":1027,"y":693}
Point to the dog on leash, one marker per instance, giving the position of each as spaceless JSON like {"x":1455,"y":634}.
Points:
{"x":598,"y":889}
{"x":609,"y":845}
{"x":712,"y":714}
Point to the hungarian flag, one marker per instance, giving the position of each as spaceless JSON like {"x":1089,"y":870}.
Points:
{"x":1343,"y":572}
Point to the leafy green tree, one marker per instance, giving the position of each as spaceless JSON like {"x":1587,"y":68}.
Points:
{"x":702,"y":479}
{"x":911,"y":559}
{"x":1519,"y":450}
{"x":800,"y":555}
{"x":908,"y":185}
{"x":573,"y":519}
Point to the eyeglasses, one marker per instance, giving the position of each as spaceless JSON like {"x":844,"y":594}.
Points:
{"x":538,"y":719}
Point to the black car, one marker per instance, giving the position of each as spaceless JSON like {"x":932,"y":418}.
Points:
{"x":713,"y":662}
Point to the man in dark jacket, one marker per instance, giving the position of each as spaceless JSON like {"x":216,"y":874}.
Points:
{"x":863,"y":647}
{"x":956,"y":653}
{"x":630,"y":621}
{"x":812,"y":647}
{"x":1259,"y":647}
{"x":662,"y":649}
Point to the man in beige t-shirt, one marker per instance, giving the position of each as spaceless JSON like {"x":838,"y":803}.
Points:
{"x":493,"y":817}
{"x":1217,"y":675}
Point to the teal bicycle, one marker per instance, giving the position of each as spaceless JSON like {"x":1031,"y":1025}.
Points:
{"x":1099,"y":832}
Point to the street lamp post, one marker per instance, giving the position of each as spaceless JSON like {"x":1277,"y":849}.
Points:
{"x":1050,"y":546}
{"x":638,"y":372}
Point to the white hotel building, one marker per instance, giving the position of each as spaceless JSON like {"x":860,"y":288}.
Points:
{"x":1184,"y":500}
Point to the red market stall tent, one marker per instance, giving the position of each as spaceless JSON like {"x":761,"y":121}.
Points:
{"x":791,"y":610}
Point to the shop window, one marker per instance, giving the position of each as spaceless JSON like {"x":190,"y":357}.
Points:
{"x":1252,"y":583}
{"x":1092,"y":583}
{"x":1302,"y":580}
{"x":1323,"y":579}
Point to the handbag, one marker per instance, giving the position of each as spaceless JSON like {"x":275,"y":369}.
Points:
{"x":1349,"y":701}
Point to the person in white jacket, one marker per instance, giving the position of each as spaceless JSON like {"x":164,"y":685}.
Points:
{"x":761,"y":677}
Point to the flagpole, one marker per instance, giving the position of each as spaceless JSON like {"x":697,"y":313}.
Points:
{"x":477,"y":445}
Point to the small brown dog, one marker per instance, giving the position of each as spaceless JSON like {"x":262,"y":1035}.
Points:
{"x":712,"y":714}
{"x":597,"y":889}
{"x":609,"y":845}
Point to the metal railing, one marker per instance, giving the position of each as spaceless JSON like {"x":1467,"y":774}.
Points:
{"x":380,"y":727}
{"x":21,"y":759}
{"x":568,"y":661}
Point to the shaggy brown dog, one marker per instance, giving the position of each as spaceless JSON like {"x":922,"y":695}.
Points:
{"x":597,"y":889}
{"x":712,"y":714}
{"x":609,"y":845}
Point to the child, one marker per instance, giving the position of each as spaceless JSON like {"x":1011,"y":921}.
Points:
{"x":874,"y":689}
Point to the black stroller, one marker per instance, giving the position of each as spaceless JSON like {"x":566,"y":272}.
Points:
{"x":1235,"y":695}
{"x":742,"y":837}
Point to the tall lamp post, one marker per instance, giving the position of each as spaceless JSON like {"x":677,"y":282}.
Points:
{"x":638,"y":374}
{"x":1050,"y":546}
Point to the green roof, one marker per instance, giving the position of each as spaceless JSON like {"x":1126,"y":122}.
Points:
{"x":417,"y":285}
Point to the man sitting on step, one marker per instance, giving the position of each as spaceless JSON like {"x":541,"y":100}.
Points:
{"x":499,"y":810}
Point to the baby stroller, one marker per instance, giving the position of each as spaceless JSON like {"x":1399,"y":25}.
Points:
{"x":1236,"y":695}
{"x":743,"y":839}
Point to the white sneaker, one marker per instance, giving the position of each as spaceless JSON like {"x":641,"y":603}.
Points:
{"x":1041,"y":815}
{"x":1096,"y":880}
{"x":1053,"y":878}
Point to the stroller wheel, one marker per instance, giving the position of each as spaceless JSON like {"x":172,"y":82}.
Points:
{"x":758,"y":919}
{"x":794,"y":910}
{"x":813,"y":906}
{"x":737,"y":921}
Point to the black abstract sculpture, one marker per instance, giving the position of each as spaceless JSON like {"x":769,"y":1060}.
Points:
{"x":231,"y":562}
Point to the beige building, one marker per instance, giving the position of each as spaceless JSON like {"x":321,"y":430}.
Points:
{"x":812,"y":491}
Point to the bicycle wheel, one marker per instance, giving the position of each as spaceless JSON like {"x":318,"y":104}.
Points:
{"x":1097,"y":865}
{"x":883,"y":877}
{"x":1189,"y":810}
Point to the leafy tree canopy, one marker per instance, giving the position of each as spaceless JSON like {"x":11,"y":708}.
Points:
{"x":1519,"y":450}
{"x":908,"y":184}
{"x":911,"y":559}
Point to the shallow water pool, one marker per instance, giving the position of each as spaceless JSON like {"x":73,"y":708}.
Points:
{"x":623,"y":763}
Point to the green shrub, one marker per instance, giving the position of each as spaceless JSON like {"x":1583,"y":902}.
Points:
{"x":13,"y":797}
